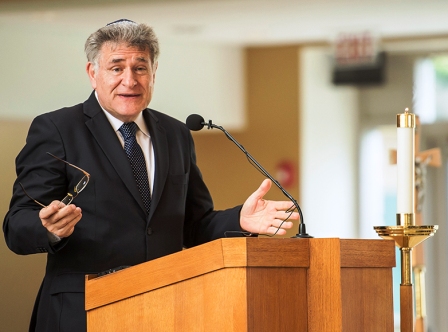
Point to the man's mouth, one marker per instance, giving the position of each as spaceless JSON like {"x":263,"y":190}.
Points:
{"x":129,"y":95}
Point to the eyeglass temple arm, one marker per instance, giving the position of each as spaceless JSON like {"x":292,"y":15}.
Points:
{"x":31,"y":197}
{"x":74,"y":166}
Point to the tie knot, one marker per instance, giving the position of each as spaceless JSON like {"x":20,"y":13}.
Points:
{"x":128,"y":129}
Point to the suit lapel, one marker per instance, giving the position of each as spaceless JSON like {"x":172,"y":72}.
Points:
{"x":160,"y":145}
{"x":107,"y":139}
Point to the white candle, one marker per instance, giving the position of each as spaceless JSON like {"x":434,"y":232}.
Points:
{"x":405,"y":162}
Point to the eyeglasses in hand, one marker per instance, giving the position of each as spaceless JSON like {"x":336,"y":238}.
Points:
{"x":78,"y":188}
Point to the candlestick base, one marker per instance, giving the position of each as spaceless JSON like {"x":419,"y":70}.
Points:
{"x":406,"y":237}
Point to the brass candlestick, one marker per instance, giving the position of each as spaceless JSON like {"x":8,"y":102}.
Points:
{"x":406,"y":234}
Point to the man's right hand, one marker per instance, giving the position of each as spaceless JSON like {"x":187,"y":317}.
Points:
{"x":59,"y":220}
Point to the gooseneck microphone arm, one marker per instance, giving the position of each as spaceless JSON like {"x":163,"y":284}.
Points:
{"x":196,"y":122}
{"x":257,"y":164}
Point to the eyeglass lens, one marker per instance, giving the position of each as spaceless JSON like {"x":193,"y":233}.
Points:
{"x":81,"y":184}
{"x":78,"y":188}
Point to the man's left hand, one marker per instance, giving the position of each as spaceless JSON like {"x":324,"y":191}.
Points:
{"x":266,"y":217}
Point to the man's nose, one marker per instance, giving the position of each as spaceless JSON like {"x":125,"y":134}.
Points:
{"x":129,"y":78}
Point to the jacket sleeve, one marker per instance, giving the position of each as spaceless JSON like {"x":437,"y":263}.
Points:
{"x":44,"y":179}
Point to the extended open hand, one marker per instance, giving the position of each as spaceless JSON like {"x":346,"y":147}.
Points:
{"x":266,"y":217}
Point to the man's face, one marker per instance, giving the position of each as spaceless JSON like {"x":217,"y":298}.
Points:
{"x":124,"y":80}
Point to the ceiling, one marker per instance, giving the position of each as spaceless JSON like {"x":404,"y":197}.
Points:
{"x":242,"y":22}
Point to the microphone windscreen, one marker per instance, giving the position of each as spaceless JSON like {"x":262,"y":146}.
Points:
{"x":195,"y":122}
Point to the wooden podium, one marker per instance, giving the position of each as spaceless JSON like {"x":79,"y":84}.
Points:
{"x":251,"y":284}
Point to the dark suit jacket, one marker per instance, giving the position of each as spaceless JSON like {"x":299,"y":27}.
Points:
{"x":115,"y":229}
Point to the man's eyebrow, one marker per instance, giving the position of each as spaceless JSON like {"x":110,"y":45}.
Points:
{"x":142,"y":59}
{"x":116,"y":60}
{"x":139,"y":59}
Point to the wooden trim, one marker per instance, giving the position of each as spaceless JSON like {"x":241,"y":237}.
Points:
{"x":367,"y":253}
{"x":324,"y":286}
{"x":285,"y":252}
{"x":406,"y":308}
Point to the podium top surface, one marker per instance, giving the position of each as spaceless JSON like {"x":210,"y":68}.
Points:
{"x":233,"y":253}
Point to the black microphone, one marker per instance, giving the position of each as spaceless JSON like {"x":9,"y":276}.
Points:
{"x":196,"y":122}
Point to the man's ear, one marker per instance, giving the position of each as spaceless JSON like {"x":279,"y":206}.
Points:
{"x":154,"y":69}
{"x":90,"y":69}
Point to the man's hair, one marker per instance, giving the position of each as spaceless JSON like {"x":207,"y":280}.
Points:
{"x":124,"y":31}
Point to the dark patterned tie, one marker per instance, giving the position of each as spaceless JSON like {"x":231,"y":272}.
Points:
{"x":137,"y":160}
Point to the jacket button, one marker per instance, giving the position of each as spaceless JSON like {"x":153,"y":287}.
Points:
{"x":149,"y":231}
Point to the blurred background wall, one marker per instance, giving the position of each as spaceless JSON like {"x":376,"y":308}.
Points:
{"x":263,"y":70}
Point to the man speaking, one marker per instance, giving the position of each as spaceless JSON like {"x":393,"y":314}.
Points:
{"x":110,"y":182}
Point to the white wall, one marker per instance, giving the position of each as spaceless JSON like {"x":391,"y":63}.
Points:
{"x":328,"y":138}
{"x":43,"y":68}
{"x":435,"y":212}
{"x":204,"y":79}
